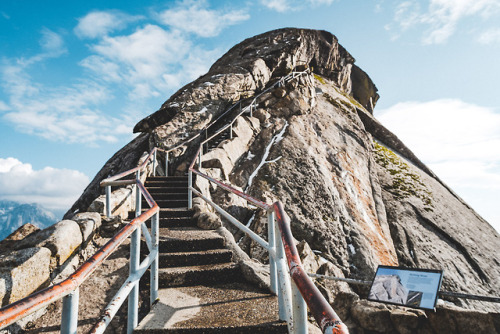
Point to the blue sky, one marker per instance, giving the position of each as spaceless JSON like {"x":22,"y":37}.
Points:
{"x":75,"y":77}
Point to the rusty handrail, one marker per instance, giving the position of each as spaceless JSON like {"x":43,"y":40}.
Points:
{"x":110,"y":180}
{"x":23,"y":307}
{"x":323,"y":313}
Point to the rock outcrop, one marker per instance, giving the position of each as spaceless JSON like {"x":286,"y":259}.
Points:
{"x":356,"y":195}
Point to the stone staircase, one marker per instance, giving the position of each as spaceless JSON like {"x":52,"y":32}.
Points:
{"x":201,"y":289}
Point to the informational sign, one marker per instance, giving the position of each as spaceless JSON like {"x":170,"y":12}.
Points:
{"x":416,"y":288}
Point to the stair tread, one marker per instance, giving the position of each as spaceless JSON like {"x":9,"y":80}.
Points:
{"x":198,"y":268}
{"x":234,"y":307}
{"x":187,"y":234}
{"x":207,"y":252}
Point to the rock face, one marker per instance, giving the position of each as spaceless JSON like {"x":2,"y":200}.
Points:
{"x":356,"y":195}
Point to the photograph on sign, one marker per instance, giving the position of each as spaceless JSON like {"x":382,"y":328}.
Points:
{"x":416,"y":288}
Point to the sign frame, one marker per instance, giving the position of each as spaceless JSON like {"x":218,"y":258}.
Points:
{"x":419,"y":272}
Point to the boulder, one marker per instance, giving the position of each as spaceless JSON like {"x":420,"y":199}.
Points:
{"x":256,"y":272}
{"x":22,"y":232}
{"x":218,"y":158}
{"x":122,"y":201}
{"x":89,"y":222}
{"x":110,"y":226}
{"x":208,"y":221}
{"x":22,"y":272}
{"x":62,"y":238}
{"x":372,"y":316}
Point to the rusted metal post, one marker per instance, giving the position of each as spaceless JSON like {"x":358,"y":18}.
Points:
{"x":166,"y":163}
{"x":199,"y":157}
{"x":283,"y":274}
{"x":138,"y":196}
{"x":135,"y":244}
{"x":272,"y":244}
{"x":155,"y":223}
{"x":299,"y":310}
{"x":69,"y":321}
{"x":133,"y":298}
{"x":190,"y":190}
{"x":154,"y":163}
{"x":108,"y":201}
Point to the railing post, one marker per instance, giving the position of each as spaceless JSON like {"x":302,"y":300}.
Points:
{"x":166,"y":163}
{"x":108,"y":201}
{"x":155,"y":223}
{"x":272,"y":244}
{"x":69,"y":321}
{"x":299,"y":308}
{"x":135,"y":244}
{"x":231,"y":131}
{"x":133,"y":297}
{"x":280,"y":258}
{"x":154,"y":163}
{"x":190,"y":191}
{"x":199,"y":156}
{"x":138,"y":195}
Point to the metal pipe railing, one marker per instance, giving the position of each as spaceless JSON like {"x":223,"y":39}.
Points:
{"x":21,"y":308}
{"x":68,"y":289}
{"x":291,"y":76}
{"x":289,"y":281}
{"x":294,"y":288}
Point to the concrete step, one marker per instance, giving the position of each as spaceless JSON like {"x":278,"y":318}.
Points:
{"x":203,"y":274}
{"x":174,"y":240}
{"x":228,"y":308}
{"x":173,"y":203}
{"x":185,"y":259}
{"x":166,"y":183}
{"x":168,"y":195}
{"x":163,"y":178}
{"x":176,"y":190}
{"x":167,"y":213}
{"x":176,"y":213}
{"x":175,"y":222}
{"x":177,"y":202}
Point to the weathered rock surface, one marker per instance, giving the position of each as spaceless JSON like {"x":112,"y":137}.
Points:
{"x":356,"y":195}
{"x":62,"y":238}
{"x":123,"y":160}
{"x":22,"y":272}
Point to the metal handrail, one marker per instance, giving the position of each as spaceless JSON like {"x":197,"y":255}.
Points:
{"x":291,"y":76}
{"x":110,"y":180}
{"x":68,"y":289}
{"x":323,"y":313}
{"x":293,"y":294}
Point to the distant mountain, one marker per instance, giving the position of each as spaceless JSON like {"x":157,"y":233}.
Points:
{"x":13,"y":215}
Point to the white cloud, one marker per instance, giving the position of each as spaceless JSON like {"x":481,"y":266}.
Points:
{"x":459,"y":141}
{"x":145,"y":52}
{"x":442,"y":17}
{"x":282,"y":6}
{"x":195,"y":17}
{"x":52,"y":43}
{"x":149,"y":61}
{"x":55,"y":189}
{"x":66,"y":114}
{"x":4,"y":106}
{"x":100,"y":23}
{"x":490,"y":36}
{"x":52,"y":46}
{"x":277,"y":5}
